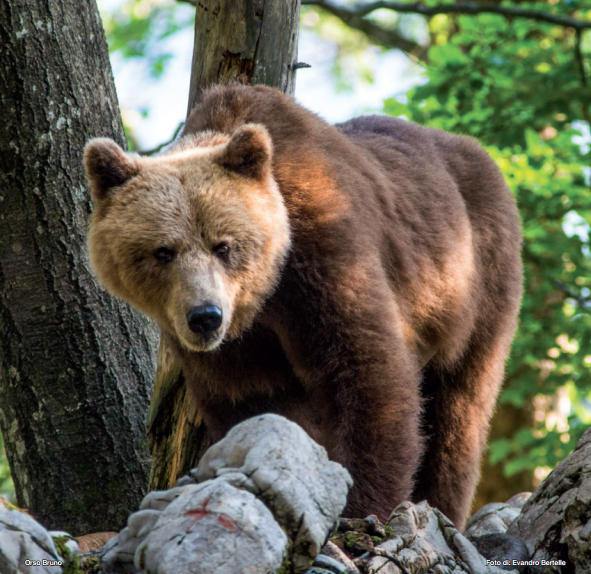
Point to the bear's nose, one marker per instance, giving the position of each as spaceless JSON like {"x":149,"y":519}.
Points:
{"x":204,"y":319}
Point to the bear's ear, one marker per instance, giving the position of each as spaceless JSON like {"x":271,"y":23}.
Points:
{"x":107,"y":166}
{"x":248,"y":152}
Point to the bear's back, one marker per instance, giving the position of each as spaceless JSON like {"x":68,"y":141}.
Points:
{"x":431,"y":209}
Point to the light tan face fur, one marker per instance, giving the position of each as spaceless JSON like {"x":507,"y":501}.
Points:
{"x":154,"y":240}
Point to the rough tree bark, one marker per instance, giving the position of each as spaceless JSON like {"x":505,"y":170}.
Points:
{"x":75,"y":365}
{"x":247,"y":41}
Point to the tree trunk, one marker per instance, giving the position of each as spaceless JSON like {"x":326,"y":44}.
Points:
{"x":75,"y":365}
{"x":247,"y":41}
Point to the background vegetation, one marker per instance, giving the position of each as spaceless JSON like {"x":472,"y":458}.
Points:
{"x":524,"y":94}
{"x":6,"y":487}
{"x":522,"y":86}
{"x":519,"y":84}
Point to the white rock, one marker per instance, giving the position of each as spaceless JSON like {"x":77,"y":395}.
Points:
{"x":120,"y":550}
{"x":159,"y":499}
{"x":277,"y":461}
{"x":213,"y":527}
{"x":141,"y":522}
{"x":265,"y":479}
{"x":495,"y":517}
{"x":25,"y":546}
{"x":426,"y":541}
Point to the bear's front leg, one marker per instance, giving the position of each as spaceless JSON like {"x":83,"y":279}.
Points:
{"x":379,"y":442}
{"x":344,"y":342}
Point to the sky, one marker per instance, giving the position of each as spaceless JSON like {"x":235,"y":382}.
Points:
{"x":166,"y":98}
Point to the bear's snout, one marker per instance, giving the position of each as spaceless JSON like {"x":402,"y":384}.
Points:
{"x":204,"y":319}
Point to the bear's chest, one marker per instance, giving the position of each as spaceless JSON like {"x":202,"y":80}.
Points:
{"x":251,"y":376}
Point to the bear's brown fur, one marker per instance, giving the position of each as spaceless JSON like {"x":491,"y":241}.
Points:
{"x":366,"y":280}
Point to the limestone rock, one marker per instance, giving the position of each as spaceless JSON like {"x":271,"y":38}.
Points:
{"x":495,"y":517}
{"x":331,"y":552}
{"x":118,"y":553}
{"x":266,"y":479}
{"x":276,"y":460}
{"x":213,"y":527}
{"x":423,"y":541}
{"x":25,"y":546}
{"x":266,"y":497}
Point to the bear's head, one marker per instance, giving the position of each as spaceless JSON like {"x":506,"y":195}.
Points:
{"x":195,"y":237}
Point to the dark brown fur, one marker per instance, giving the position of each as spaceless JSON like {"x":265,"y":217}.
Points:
{"x":387,"y":333}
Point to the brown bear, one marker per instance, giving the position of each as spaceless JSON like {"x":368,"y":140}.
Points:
{"x":362,"y":280}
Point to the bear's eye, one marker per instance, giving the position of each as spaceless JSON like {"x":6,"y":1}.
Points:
{"x":165,"y":255}
{"x":222,"y":250}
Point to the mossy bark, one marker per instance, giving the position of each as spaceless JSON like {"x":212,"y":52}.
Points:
{"x":246,"y":41}
{"x":75,"y":365}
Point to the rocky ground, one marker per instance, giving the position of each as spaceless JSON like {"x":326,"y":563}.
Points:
{"x":266,"y":499}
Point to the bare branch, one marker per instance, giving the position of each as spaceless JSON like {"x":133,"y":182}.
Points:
{"x":354,"y":18}
{"x":160,"y":147}
{"x":580,"y":58}
{"x":363,"y":10}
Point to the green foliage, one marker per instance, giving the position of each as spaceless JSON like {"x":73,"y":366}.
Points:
{"x":75,"y":563}
{"x":138,"y":30}
{"x":143,"y":35}
{"x":6,"y":486}
{"x":518,"y":87}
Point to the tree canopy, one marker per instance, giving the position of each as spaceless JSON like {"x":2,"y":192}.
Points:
{"x":521,"y":87}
